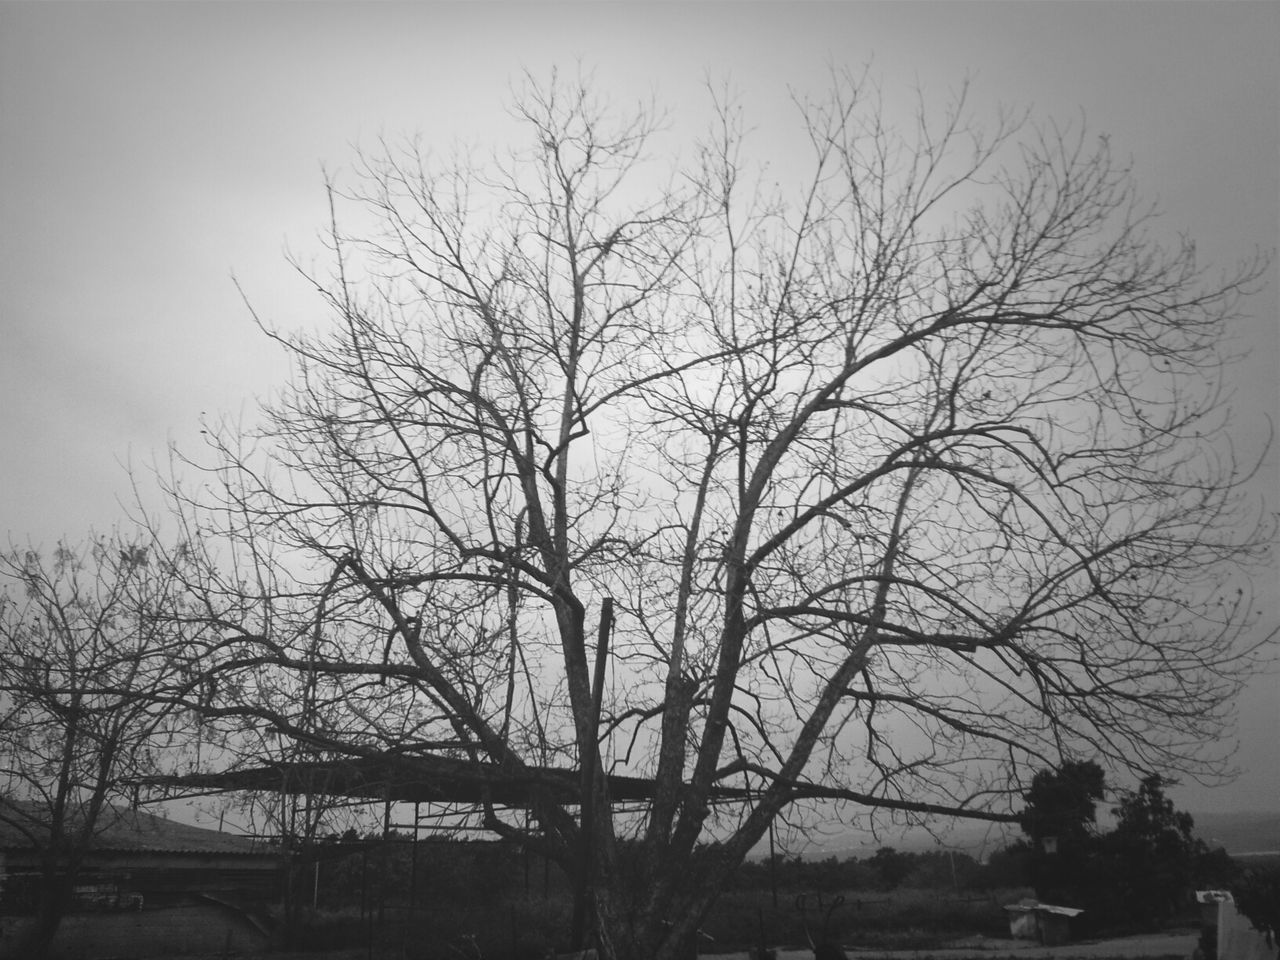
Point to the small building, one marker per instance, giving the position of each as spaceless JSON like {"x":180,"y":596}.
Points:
{"x":149,"y":887}
{"x":1043,"y":922}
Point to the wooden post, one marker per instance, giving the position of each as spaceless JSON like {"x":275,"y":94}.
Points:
{"x":586,"y":872}
{"x":413,"y":866}
{"x":773,"y":869}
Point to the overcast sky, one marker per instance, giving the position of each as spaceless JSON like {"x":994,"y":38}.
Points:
{"x":151,"y":152}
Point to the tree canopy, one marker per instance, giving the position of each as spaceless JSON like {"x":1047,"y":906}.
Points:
{"x":1155,"y":852}
{"x":896,"y":481}
{"x":1062,"y":803}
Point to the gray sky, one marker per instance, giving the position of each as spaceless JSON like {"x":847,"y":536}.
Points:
{"x":149,"y":152}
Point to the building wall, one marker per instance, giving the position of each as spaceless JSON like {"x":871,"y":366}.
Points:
{"x":110,"y":881}
{"x":174,"y":931}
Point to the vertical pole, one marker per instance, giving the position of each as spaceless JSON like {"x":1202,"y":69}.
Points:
{"x":286,"y":855}
{"x":524,"y":854}
{"x":413,"y":865}
{"x":384,"y":859}
{"x":773,"y":869}
{"x":586,"y":866}
{"x":364,"y":897}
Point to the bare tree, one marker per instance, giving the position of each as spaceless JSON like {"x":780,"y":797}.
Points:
{"x":902,"y":480}
{"x":91,"y":666}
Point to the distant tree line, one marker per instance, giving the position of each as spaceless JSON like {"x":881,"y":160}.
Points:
{"x":886,"y":869}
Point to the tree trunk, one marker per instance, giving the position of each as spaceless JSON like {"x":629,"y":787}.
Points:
{"x":655,"y":921}
{"x":55,"y":897}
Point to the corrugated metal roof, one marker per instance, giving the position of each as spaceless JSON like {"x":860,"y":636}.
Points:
{"x":422,"y":778}
{"x":1028,"y":905}
{"x":124,"y":830}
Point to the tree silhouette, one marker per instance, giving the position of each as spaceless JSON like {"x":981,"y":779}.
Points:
{"x":1059,"y":819}
{"x":95,"y":660}
{"x":890,"y":475}
{"x":1155,"y":852}
{"x":1062,"y":803}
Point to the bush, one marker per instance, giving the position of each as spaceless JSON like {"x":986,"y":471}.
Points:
{"x":1257,"y":895}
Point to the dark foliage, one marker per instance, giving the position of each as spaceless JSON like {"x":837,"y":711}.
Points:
{"x":1153,"y":853}
{"x":1142,"y":874}
{"x":1257,"y":895}
{"x":1062,"y":803}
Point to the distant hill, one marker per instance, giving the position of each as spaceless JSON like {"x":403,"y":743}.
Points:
{"x":1238,"y":833}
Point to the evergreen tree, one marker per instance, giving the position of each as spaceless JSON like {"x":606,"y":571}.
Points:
{"x":1059,"y":819}
{"x":1155,"y":852}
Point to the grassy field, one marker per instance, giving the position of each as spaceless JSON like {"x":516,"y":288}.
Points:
{"x":527,"y":927}
{"x":903,"y":919}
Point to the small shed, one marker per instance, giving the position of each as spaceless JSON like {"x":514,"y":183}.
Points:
{"x":1045,"y":923}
